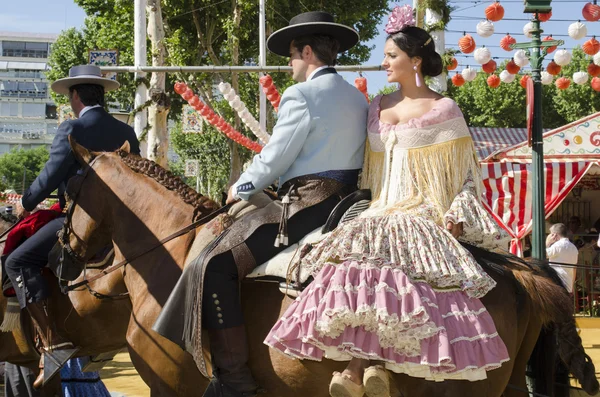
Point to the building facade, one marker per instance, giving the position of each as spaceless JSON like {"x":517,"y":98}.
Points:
{"x":28,"y":116}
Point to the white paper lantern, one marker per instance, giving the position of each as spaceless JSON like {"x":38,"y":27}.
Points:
{"x":485,"y":28}
{"x":597,"y":59}
{"x":577,"y":30}
{"x":562,"y":57}
{"x":469,"y":74}
{"x":506,"y":77}
{"x":527,"y":29}
{"x":580,"y":78}
{"x":229,"y":95}
{"x":547,"y":78}
{"x":482,"y":55}
{"x":521,"y":58}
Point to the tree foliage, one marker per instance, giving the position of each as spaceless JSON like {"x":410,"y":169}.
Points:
{"x":19,"y":163}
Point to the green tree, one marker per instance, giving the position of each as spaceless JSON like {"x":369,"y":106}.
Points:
{"x":68,"y":50}
{"x":19,"y":163}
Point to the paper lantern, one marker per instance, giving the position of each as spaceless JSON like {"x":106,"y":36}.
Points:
{"x":563,"y":83}
{"x":458,"y":80}
{"x":524,"y":80}
{"x":521,"y":58}
{"x":469,"y":74}
{"x":180,"y":87}
{"x":596,"y":59}
{"x":187,"y":94}
{"x":547,"y":78}
{"x":549,"y":49}
{"x":453,"y":64}
{"x":596,"y":84}
{"x":591,"y":12}
{"x":512,"y":67}
{"x":527,"y":29}
{"x":482,"y":55}
{"x":545,"y":16}
{"x":466,"y":44}
{"x":506,"y":42}
{"x":593,"y":70}
{"x":580,"y":78}
{"x":507,"y":77}
{"x":591,"y":47}
{"x":553,"y":68}
{"x":489,"y":67}
{"x":494,"y":12}
{"x":577,"y":30}
{"x":562,"y":57}
{"x":485,"y":28}
{"x":493,"y":81}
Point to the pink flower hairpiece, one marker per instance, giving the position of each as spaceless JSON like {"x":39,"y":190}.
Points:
{"x":400,"y":18}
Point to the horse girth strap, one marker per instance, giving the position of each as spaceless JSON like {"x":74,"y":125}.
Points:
{"x":160,"y":243}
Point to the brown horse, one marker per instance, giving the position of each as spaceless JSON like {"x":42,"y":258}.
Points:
{"x":115,"y":200}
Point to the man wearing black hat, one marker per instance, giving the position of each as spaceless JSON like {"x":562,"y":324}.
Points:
{"x":96,"y":130}
{"x":316,"y":150}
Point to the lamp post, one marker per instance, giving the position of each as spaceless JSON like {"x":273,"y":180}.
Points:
{"x":537,"y":51}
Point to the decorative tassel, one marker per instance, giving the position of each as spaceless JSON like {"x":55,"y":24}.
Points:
{"x":282,"y":236}
{"x":12,"y":317}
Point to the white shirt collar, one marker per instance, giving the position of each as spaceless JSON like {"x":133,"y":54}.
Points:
{"x":85,"y":109}
{"x":310,"y":76}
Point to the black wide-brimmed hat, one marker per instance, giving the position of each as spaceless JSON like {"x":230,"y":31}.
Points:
{"x":83,"y":74}
{"x":311,"y":23}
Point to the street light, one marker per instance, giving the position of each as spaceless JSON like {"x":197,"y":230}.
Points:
{"x":541,"y":6}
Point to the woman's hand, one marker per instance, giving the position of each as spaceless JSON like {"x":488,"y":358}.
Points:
{"x":456,"y":229}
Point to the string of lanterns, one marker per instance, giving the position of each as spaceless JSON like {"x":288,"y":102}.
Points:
{"x":270,"y":91}
{"x":361,"y":84}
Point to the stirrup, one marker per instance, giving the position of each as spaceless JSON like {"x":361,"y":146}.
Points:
{"x":342,"y":386}
{"x":376,"y":381}
{"x":54,"y":360}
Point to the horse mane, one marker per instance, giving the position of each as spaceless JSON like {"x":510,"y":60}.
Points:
{"x":202,"y":204}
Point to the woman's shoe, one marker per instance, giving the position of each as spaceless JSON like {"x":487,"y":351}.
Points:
{"x":376,"y":382}
{"x":342,"y":386}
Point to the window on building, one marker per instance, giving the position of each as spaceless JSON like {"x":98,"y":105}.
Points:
{"x":51,"y":111}
{"x":37,"y":110}
{"x":24,"y":49}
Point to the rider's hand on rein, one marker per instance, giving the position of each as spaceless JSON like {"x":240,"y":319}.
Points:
{"x":21,"y":212}
{"x":456,"y":229}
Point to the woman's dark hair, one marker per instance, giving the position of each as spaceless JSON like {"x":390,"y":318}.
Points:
{"x":90,"y":94}
{"x":416,"y":42}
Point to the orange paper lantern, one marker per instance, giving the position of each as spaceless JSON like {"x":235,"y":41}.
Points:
{"x":549,"y":49}
{"x":467,"y":44}
{"x":596,"y":84}
{"x":593,"y":70}
{"x":453,"y":64}
{"x":563,"y":83}
{"x":493,"y":81}
{"x":458,"y":80}
{"x":512,"y":67}
{"x":553,"y":68}
{"x":591,"y":12}
{"x":494,"y":12}
{"x":591,"y":47}
{"x":506,"y":42}
{"x":489,"y":67}
{"x":180,"y":87}
{"x":545,"y":16}
{"x":524,"y":80}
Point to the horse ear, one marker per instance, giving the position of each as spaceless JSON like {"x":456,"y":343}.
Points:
{"x":81,"y":154}
{"x":126,"y":147}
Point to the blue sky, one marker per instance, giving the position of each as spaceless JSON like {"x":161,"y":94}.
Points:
{"x":43,"y":16}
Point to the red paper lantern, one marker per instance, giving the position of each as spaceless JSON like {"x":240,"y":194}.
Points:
{"x":467,"y":44}
{"x":194,"y":101}
{"x":596,"y":84}
{"x":506,"y":42}
{"x":550,"y":49}
{"x":563,"y":83}
{"x":524,"y":80}
{"x":591,"y":47}
{"x":453,"y":64}
{"x":591,"y":12}
{"x":493,"y":81}
{"x":489,"y":67}
{"x":593,"y":70}
{"x":545,"y":16}
{"x":512,"y":67}
{"x":266,"y":81}
{"x":188,"y":94}
{"x":458,"y":80}
{"x":494,"y":12}
{"x":553,"y":68}
{"x":180,"y":87}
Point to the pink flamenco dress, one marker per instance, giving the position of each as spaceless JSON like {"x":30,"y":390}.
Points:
{"x":393,"y":285}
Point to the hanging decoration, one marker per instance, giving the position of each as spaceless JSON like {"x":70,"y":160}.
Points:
{"x":270,"y":90}
{"x":458,"y":80}
{"x":563,"y":83}
{"x":527,"y":29}
{"x":593,"y":70}
{"x":521,"y":58}
{"x":493,"y":81}
{"x":512,"y":67}
{"x":562,"y":57}
{"x":591,"y":47}
{"x":494,"y":12}
{"x":596,"y":59}
{"x":580,"y":78}
{"x":591,"y":12}
{"x":361,"y":84}
{"x":596,"y":84}
{"x":469,"y":74}
{"x":547,"y":78}
{"x":453,"y":64}
{"x":209,"y":115}
{"x":467,"y":44}
{"x":485,"y":28}
{"x":553,"y":68}
{"x":550,"y":50}
{"x":482,"y":55}
{"x":489,"y":67}
{"x":524,"y":80}
{"x":577,"y":30}
{"x":507,"y":41}
{"x":507,"y":77}
{"x":545,"y":16}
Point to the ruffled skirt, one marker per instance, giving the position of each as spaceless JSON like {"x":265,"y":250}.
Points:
{"x":397,"y":289}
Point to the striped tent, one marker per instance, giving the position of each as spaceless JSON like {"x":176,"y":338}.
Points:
{"x":490,"y":140}
{"x":569,"y":153}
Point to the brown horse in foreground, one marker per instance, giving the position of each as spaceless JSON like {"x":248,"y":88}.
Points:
{"x":116,"y":201}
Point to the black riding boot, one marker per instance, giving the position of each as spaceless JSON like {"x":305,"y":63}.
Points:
{"x":232,"y":377}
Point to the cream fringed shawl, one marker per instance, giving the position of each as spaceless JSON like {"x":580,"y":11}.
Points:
{"x":412,"y":169}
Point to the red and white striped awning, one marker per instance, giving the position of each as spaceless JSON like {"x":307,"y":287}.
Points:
{"x":489,"y":140}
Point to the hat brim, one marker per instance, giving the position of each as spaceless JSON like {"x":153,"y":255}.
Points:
{"x":62,"y":86}
{"x":279,"y":42}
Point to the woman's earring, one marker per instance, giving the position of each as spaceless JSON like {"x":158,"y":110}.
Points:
{"x":417,"y":78}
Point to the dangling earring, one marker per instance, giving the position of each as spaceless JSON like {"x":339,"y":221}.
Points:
{"x":417,"y":78}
